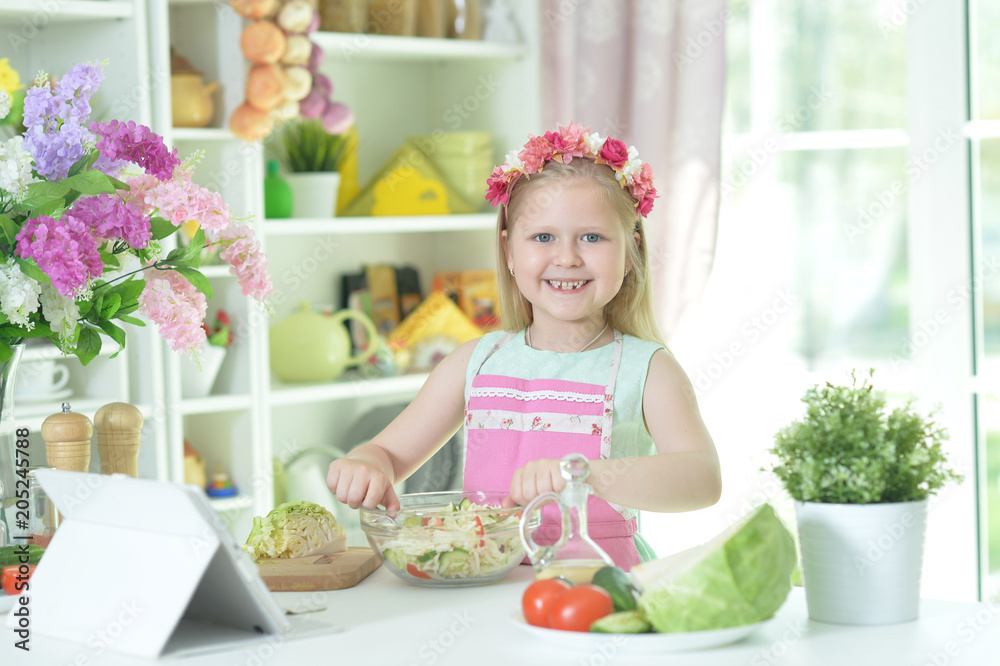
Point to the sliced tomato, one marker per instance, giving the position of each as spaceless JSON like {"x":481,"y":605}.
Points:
{"x":9,"y":578}
{"x":580,"y":607}
{"x":415,"y":572}
{"x":480,"y":530}
{"x":538,"y":598}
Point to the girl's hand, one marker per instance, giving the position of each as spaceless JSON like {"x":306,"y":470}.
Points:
{"x":533,"y":479}
{"x":361,"y":483}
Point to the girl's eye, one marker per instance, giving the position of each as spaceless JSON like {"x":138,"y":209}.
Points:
{"x":592,"y":238}
{"x":543,"y":238}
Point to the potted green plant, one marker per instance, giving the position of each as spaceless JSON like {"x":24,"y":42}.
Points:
{"x":861,"y":476}
{"x":311,"y":157}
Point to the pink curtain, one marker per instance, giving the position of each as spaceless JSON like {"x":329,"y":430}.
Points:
{"x":650,"y":72}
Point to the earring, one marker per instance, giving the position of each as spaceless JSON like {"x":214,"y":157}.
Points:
{"x":511,"y":269}
{"x":626,"y":272}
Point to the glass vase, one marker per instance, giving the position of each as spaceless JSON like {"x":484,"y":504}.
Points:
{"x":8,"y":440}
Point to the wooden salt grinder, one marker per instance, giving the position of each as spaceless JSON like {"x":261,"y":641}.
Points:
{"x":119,"y":430}
{"x":67,"y":438}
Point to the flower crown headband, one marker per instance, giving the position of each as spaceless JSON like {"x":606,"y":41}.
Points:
{"x":562,"y":146}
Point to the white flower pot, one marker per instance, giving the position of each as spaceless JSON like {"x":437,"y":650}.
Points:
{"x":862,"y":562}
{"x":197,"y":382}
{"x":314,"y":194}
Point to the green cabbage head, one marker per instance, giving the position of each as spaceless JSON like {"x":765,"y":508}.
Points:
{"x":740,"y":577}
{"x":295,"y":529}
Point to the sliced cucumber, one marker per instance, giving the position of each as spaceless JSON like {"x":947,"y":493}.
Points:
{"x":625,"y":622}
{"x":453,"y":560}
{"x":464,"y":504}
{"x":412,"y":521}
{"x":426,"y":556}
{"x":395,"y":558}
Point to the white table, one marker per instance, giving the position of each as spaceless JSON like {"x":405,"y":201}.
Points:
{"x":385,"y":621}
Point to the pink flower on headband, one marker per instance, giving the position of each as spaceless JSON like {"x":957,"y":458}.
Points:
{"x":536,"y":152}
{"x":563,"y":145}
{"x":614,"y":153}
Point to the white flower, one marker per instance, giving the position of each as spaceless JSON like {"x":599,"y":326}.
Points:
{"x":4,"y":104}
{"x":512,"y":162}
{"x":15,"y":168}
{"x":18,"y":294}
{"x":594,"y":142}
{"x":631,"y":168}
{"x":62,"y":313}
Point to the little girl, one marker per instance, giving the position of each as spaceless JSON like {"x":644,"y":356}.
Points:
{"x":581,"y":366}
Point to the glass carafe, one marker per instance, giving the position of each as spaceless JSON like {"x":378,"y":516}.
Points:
{"x":574,"y":555}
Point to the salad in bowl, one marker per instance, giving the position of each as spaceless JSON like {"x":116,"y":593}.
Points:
{"x":450,"y":538}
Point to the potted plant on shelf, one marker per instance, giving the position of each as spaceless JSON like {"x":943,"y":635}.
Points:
{"x":312,"y":158}
{"x":861,"y":477}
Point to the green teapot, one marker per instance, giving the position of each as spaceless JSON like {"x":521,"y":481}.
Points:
{"x":307,"y":346}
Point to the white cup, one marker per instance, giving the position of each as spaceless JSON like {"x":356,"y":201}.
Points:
{"x":40,"y":378}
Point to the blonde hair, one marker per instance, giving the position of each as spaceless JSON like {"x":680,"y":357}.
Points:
{"x":631,"y":310}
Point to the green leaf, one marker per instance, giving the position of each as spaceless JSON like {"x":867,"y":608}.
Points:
{"x":5,"y":351}
{"x":84,"y":163}
{"x":116,"y":333}
{"x":119,"y":185}
{"x":200,"y":282}
{"x":31,"y":269}
{"x":112,"y":302}
{"x":129,"y":290}
{"x":130,"y":320}
{"x":40,"y":193}
{"x":110,"y":260}
{"x":9,"y":228}
{"x":90,"y":182}
{"x":89,"y":344}
{"x":85,"y":307}
{"x":161,"y":228}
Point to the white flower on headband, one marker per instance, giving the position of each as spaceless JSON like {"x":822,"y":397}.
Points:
{"x":594,"y":142}
{"x":513,"y":163}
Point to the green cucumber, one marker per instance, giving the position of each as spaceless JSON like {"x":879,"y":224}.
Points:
{"x":395,"y":558}
{"x":624,"y":622}
{"x":618,"y":585}
{"x":453,"y":560}
{"x":426,"y":556}
{"x":10,"y":555}
{"x":412,"y":521}
{"x":464,"y":504}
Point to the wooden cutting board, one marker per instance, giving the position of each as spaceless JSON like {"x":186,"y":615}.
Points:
{"x":334,"y":571}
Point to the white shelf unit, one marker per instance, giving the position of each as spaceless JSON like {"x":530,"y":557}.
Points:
{"x":255,"y":417}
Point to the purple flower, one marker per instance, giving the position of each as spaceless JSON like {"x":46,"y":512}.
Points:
{"x":75,"y":89}
{"x":64,"y":249}
{"x":137,"y":144}
{"x":56,"y":151}
{"x":110,"y":217}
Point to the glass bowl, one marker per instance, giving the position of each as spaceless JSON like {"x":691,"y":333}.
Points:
{"x":447,"y":539}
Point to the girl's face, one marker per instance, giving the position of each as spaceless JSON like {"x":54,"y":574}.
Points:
{"x":567,"y":250}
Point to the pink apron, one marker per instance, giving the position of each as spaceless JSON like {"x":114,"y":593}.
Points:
{"x":511,"y":421}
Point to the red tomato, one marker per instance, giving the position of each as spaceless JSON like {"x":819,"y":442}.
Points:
{"x":578,"y":608}
{"x":8,"y":578}
{"x":538,"y":599}
{"x":415,"y":572}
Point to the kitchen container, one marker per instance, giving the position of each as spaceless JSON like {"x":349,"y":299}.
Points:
{"x":447,"y":539}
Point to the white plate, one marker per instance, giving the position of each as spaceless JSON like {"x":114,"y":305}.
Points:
{"x":638,"y":643}
{"x":48,"y":397}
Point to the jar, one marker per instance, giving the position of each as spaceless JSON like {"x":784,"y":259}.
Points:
{"x":43,"y":518}
{"x":432,"y":18}
{"x":392,"y":17}
{"x":343,"y":15}
{"x":465,"y":19}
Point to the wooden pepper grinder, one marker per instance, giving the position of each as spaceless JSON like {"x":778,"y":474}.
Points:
{"x":119,"y":430}
{"x":67,"y":438}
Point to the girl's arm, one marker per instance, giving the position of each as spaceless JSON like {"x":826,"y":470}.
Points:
{"x":366,"y":475}
{"x":685,"y":475}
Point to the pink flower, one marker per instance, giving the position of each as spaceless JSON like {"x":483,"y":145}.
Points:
{"x":535,"y":153}
{"x":558,"y":143}
{"x":497,"y":190}
{"x":110,"y":217}
{"x":173,"y":304}
{"x":137,"y":144}
{"x":643,"y":181}
{"x":614,"y":152}
{"x":646,"y":204}
{"x":242,"y":252}
{"x":64,"y":249}
{"x":572,"y":136}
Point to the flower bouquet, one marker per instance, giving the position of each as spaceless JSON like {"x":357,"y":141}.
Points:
{"x":84,"y":207}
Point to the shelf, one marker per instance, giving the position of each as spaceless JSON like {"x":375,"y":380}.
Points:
{"x":380,"y":225}
{"x":346,"y":389}
{"x":352,"y":47}
{"x":215,"y":403}
{"x":64,"y":11}
{"x":52,"y":353}
{"x":216,"y":271}
{"x":236,"y":503}
{"x":206,"y":134}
